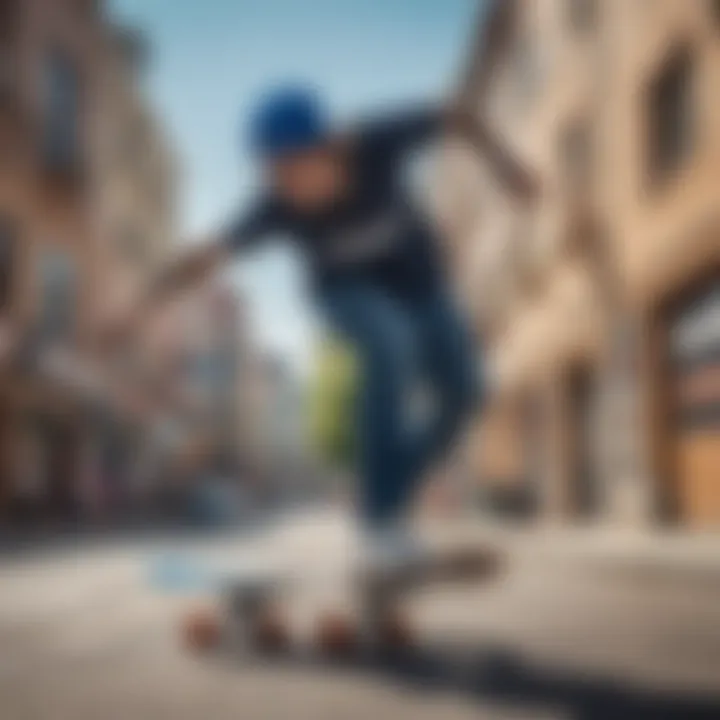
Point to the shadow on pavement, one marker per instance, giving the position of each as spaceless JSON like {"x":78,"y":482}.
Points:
{"x":498,"y":676}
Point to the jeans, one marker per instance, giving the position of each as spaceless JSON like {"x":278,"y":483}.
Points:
{"x":403,"y":344}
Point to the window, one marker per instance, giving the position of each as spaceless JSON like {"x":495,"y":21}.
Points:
{"x":61,"y":132}
{"x":7,"y":264}
{"x":671,"y":117}
{"x":58,"y":295}
{"x":576,"y":156}
{"x":582,"y":15}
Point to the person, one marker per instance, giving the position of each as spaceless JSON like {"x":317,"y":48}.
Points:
{"x":377,"y":276}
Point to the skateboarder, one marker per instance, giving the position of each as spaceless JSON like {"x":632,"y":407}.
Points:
{"x":377,"y":278}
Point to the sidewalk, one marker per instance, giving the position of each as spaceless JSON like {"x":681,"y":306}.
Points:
{"x":642,"y":553}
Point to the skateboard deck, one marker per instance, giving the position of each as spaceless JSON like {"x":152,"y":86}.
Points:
{"x":438,"y":567}
{"x":254,"y":608}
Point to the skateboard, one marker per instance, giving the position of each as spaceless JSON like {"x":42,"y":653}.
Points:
{"x":253,"y":609}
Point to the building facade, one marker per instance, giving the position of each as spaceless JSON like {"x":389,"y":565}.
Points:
{"x":68,"y":101}
{"x":598,"y":306}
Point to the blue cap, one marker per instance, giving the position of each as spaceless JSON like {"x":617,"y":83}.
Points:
{"x":286,"y":121}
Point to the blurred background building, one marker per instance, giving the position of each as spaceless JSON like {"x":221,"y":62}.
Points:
{"x":600,"y":307}
{"x":50,"y":100}
{"x":88,"y":194}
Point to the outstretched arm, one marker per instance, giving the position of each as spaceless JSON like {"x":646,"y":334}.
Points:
{"x":192,"y":268}
{"x":186,"y":272}
{"x":390,"y":138}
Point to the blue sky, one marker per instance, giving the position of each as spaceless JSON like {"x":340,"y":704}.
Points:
{"x":212,"y":57}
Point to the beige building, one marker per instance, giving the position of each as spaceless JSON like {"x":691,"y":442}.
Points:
{"x":598,"y":308}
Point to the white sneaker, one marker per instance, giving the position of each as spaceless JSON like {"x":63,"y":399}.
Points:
{"x":392,"y":548}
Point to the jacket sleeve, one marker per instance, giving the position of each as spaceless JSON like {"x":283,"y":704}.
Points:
{"x":394,"y":135}
{"x":253,"y":226}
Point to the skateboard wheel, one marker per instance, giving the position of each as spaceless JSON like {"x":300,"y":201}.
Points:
{"x":270,"y":632}
{"x":394,"y":630}
{"x":336,"y":634}
{"x":201,"y":629}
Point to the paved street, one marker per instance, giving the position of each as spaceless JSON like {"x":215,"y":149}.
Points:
{"x":89,"y":634}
